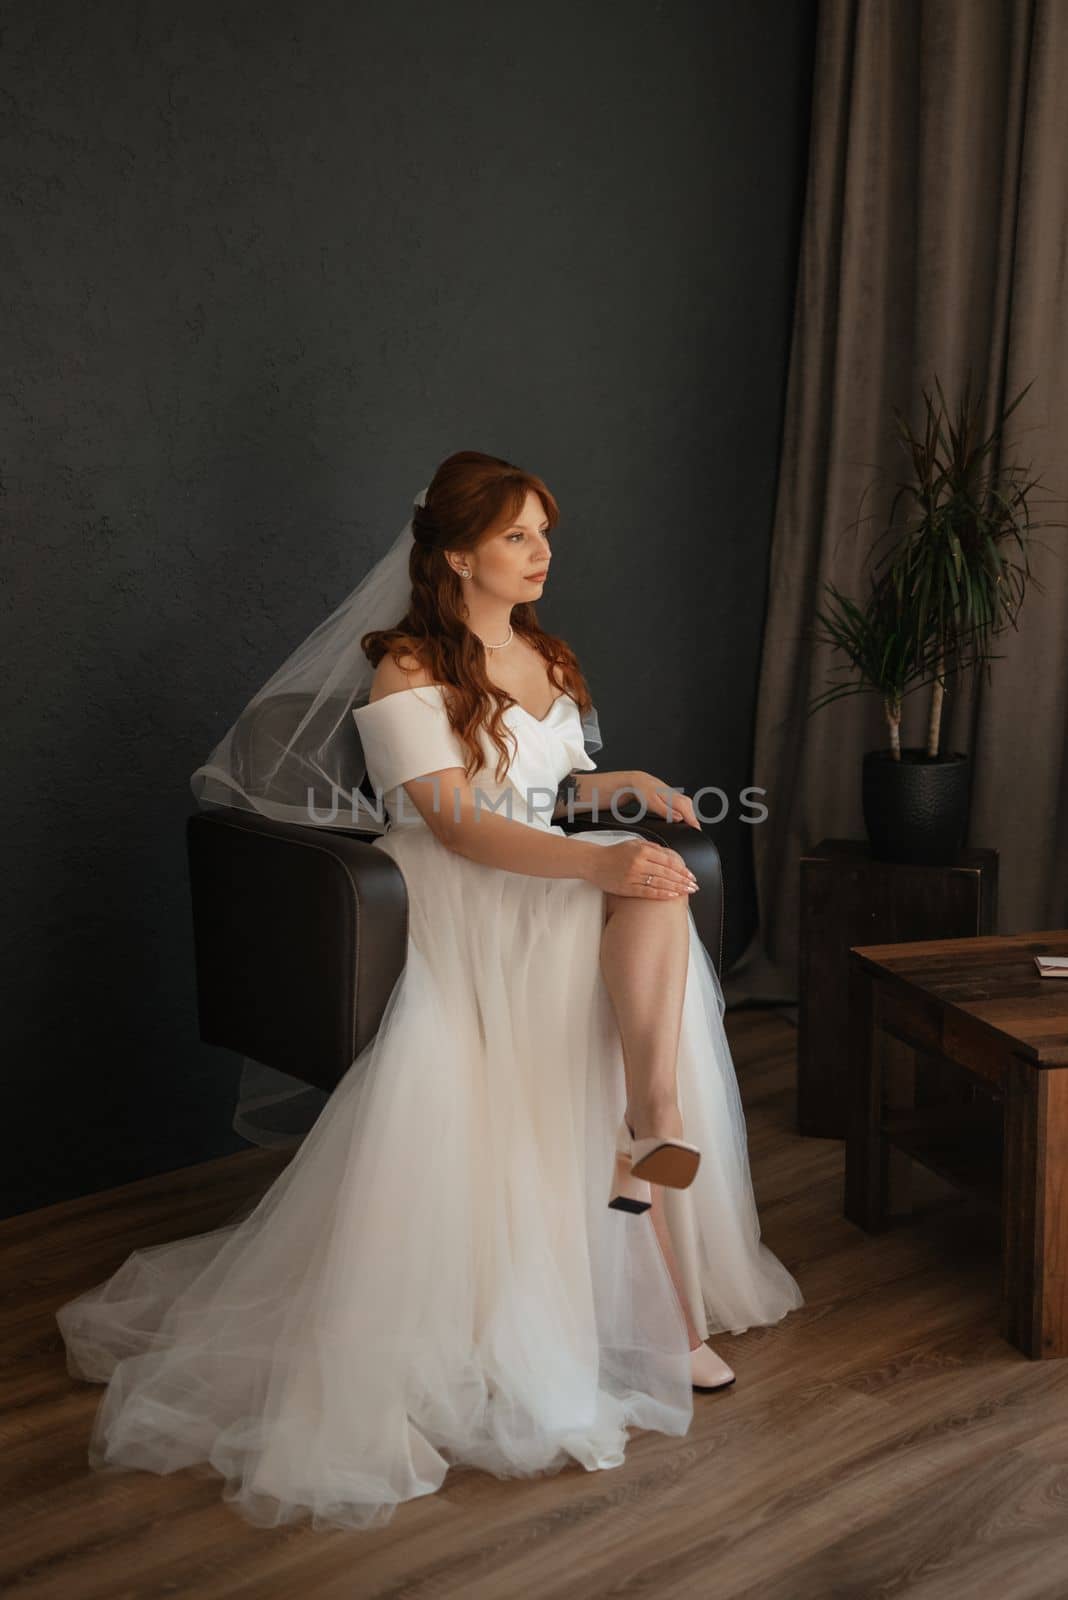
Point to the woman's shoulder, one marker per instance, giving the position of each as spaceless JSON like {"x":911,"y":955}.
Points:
{"x":394,"y":674}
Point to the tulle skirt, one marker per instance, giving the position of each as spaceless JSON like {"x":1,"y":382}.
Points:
{"x":436,"y":1278}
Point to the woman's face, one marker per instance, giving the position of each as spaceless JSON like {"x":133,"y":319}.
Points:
{"x":510,"y":563}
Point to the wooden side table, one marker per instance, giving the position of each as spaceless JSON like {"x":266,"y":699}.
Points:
{"x":848,"y":898}
{"x":980,"y":1007}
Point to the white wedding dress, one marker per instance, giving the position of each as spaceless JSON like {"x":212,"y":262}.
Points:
{"x":436,"y":1277}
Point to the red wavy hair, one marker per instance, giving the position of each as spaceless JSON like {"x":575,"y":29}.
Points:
{"x":470,"y":496}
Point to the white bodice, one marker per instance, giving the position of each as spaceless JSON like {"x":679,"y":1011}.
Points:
{"x":408,"y":734}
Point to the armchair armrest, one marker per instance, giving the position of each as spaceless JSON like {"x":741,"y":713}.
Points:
{"x":300,"y":935}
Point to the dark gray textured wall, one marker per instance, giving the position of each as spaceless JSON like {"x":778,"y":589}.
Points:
{"x":265,"y":265}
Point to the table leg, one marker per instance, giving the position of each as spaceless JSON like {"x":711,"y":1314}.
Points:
{"x":899,"y":1063}
{"x":866,"y":1154}
{"x":1034,"y":1213}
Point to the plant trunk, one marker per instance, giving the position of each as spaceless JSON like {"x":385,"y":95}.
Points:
{"x":934,"y":722}
{"x":892,"y":710}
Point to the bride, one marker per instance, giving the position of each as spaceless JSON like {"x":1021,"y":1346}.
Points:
{"x":527,"y":1204}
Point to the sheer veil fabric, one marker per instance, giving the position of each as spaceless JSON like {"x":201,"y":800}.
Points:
{"x":435,"y":1279}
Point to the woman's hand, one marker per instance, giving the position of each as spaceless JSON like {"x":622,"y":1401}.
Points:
{"x":623,"y":867}
{"x":654,"y":792}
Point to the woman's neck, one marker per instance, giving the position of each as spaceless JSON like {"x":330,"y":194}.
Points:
{"x":490,"y":621}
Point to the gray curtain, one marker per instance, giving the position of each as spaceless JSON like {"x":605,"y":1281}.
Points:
{"x":935,"y":240}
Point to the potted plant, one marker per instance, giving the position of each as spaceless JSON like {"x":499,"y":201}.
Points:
{"x":948,"y":585}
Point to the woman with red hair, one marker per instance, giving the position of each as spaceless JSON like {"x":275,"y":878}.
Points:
{"x":521,"y":1213}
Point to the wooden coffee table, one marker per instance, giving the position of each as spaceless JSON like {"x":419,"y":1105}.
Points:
{"x":959,"y":1060}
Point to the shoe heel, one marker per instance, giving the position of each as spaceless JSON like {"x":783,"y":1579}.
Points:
{"x":628,"y":1192}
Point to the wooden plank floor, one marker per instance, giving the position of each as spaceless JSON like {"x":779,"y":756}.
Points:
{"x":882,"y":1441}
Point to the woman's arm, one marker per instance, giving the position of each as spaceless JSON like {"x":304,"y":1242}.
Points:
{"x":634,"y":866}
{"x":658,"y":797}
{"x":446,"y":802}
{"x":594,"y":789}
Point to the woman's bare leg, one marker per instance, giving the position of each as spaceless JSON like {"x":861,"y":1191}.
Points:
{"x":660,"y":1226}
{"x":644,"y":953}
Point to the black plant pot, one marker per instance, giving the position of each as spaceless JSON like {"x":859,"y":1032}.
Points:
{"x":916,"y":809}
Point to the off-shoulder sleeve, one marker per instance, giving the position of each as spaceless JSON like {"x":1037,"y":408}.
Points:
{"x":406,"y":735}
{"x":580,"y":761}
{"x":573,"y":730}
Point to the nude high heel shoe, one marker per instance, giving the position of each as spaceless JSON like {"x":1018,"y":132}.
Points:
{"x":709,"y":1371}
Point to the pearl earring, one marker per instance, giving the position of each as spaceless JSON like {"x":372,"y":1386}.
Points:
{"x":465,"y":573}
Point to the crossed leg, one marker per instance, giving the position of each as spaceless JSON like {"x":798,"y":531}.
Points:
{"x":644,"y":953}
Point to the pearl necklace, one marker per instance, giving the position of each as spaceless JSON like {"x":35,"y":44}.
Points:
{"x":502,"y":643}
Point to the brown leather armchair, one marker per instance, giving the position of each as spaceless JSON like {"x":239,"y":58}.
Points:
{"x":301,"y":933}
